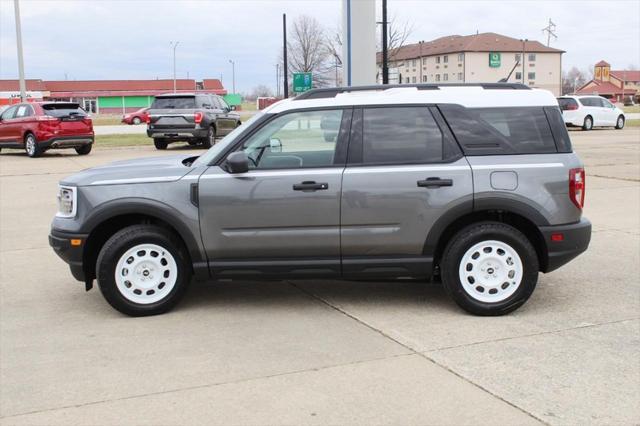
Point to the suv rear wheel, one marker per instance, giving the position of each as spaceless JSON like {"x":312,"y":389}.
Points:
{"x":84,"y":149}
{"x":489,"y":268}
{"x":210,"y":139}
{"x":143,"y":270}
{"x":31,"y":146}
{"x":160,"y":143}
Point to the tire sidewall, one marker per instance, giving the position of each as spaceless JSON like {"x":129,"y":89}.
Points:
{"x":618,"y":125}
{"x":108,"y":259}
{"x":472,"y":235}
{"x":589,"y":120}
{"x":136,"y":120}
{"x":36,"y":150}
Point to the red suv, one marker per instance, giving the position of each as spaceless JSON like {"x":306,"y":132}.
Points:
{"x":39,"y":126}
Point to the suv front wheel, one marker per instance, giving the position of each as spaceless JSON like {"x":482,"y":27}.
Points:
{"x":489,"y":268}
{"x":143,"y":270}
{"x":160,"y":143}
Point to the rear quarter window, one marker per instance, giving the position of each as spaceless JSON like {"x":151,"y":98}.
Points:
{"x":499,"y":131}
{"x":174,"y":102}
{"x":567,"y":104}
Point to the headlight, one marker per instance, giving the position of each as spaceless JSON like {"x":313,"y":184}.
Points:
{"x":67,"y":201}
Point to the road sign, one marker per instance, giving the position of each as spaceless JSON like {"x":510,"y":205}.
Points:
{"x":494,"y":59}
{"x":302,"y":81}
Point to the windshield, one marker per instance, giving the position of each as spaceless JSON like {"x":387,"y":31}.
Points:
{"x":174,"y":102}
{"x":213,"y":152}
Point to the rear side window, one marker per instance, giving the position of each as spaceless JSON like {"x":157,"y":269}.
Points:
{"x":60,"y":110}
{"x":590,"y":102}
{"x":400,"y":135}
{"x":567,"y":104}
{"x":174,"y":102}
{"x":498,"y":131}
{"x":558,"y":128}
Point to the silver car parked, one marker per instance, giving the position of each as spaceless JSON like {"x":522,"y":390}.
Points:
{"x":473,"y":185}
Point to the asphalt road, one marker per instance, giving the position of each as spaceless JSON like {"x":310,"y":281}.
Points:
{"x":322,"y":352}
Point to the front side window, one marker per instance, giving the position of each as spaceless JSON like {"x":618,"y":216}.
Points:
{"x":400,"y":135}
{"x":23,"y":111}
{"x":9,"y":113}
{"x":296,"y":140}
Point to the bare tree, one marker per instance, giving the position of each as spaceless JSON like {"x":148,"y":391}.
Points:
{"x":307,"y":50}
{"x":398,"y":32}
{"x":573,"y":80}
{"x":334,"y":52}
{"x":260,"y":90}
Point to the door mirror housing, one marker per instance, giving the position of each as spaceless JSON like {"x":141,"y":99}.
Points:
{"x":238,"y":162}
{"x":275,"y":145}
{"x":232,"y":108}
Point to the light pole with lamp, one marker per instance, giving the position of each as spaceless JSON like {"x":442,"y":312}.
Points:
{"x":233,"y":74}
{"x":174,"y":44}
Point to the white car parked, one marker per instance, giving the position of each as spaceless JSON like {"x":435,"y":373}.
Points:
{"x":590,"y":111}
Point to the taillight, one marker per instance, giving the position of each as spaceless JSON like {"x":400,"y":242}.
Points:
{"x":577,"y":187}
{"x":198,"y":117}
{"x":147,"y":118}
{"x":46,"y":118}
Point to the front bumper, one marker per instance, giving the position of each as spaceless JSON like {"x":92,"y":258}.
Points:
{"x":67,"y":142}
{"x":177,"y":133}
{"x":575,"y":240}
{"x":61,"y":242}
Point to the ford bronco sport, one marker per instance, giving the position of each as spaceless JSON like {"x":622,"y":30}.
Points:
{"x":474,"y":185}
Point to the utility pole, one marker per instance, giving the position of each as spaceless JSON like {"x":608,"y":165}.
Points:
{"x":385,"y":53}
{"x":23,"y":85}
{"x":285,"y":68}
{"x":277,"y":80}
{"x":550,"y":29}
{"x":523,"y":52}
{"x":233,"y":75}
{"x":174,"y":44}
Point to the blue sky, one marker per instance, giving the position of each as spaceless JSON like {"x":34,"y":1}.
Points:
{"x":105,"y":39}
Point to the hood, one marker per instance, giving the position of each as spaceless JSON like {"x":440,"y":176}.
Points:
{"x":143,"y":170}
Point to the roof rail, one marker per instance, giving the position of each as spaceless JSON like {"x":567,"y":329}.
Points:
{"x":331,"y":92}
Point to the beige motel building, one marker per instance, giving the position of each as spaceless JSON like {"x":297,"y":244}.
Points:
{"x":477,"y":58}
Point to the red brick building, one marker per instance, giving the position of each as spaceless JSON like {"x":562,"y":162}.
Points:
{"x":611,"y":84}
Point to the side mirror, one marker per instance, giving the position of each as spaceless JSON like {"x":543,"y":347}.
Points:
{"x":232,"y":108}
{"x":275,"y":145}
{"x":238,"y":162}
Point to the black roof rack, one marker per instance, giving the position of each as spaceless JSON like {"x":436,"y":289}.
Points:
{"x":331,"y":92}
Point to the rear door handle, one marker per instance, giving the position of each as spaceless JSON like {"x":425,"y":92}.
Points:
{"x":434,"y":182}
{"x":310,"y":186}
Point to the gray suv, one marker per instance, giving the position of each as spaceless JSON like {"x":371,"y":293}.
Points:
{"x":476,"y":186}
{"x":192,"y":118}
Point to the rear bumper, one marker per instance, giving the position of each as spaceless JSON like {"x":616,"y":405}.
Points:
{"x":72,"y":255}
{"x":177,"y":133}
{"x":67,"y":142}
{"x":576,"y":238}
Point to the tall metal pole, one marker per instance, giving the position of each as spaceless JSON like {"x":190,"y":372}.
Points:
{"x":277,"y":80}
{"x":385,"y":53}
{"x":285,"y":68}
{"x":233,"y":75}
{"x":175,"y":44}
{"x":23,"y":85}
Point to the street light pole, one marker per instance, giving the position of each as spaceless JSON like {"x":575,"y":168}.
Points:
{"x":23,"y":85}
{"x":175,"y":44}
{"x":233,"y":74}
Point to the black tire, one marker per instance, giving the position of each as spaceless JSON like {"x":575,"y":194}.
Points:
{"x":136,"y":120}
{"x":588,"y":123}
{"x":620,"y":122}
{"x":118,"y":245}
{"x":467,"y":238}
{"x":210,"y":139}
{"x":84,"y":149}
{"x":31,"y":146}
{"x":160,"y":143}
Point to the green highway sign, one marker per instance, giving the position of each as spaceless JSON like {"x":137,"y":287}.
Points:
{"x":302,"y":81}
{"x":494,"y":59}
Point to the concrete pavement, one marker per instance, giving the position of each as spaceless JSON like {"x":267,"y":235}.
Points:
{"x":322,"y":352}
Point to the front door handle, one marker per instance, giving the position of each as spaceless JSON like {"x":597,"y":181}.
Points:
{"x":310,"y":186}
{"x":434,"y":182}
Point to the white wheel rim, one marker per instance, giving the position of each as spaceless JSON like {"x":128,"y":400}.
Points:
{"x":620,"y":122}
{"x":146,"y":273}
{"x":31,"y":145}
{"x":491,"y":271}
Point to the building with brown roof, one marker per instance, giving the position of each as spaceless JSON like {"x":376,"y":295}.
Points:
{"x":106,"y":96}
{"x":611,"y":84}
{"x":478,"y":58}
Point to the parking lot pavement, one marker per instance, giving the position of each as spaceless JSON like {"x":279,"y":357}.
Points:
{"x":322,"y":352}
{"x":120,"y":129}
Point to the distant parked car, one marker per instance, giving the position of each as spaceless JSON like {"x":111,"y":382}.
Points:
{"x":193,"y":118}
{"x":39,"y":126}
{"x":590,"y":111}
{"x":136,"y":117}
{"x":628,"y":101}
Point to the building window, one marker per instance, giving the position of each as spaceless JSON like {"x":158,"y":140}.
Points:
{"x":532,"y":57}
{"x":518,"y":75}
{"x":531,"y":76}
{"x":518,"y":57}
{"x":445,"y":77}
{"x":424,"y":61}
{"x":437,"y":77}
{"x":460,"y":76}
{"x":413,"y":63}
{"x":413,"y":79}
{"x":446,"y":59}
{"x":460,"y":57}
{"x":424,"y":78}
{"x":437,"y":59}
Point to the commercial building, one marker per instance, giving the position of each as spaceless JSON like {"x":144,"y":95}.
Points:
{"x":614,"y":85}
{"x":477,"y":58}
{"x":106,"y":96}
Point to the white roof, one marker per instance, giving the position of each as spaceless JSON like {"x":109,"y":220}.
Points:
{"x":468,"y":96}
